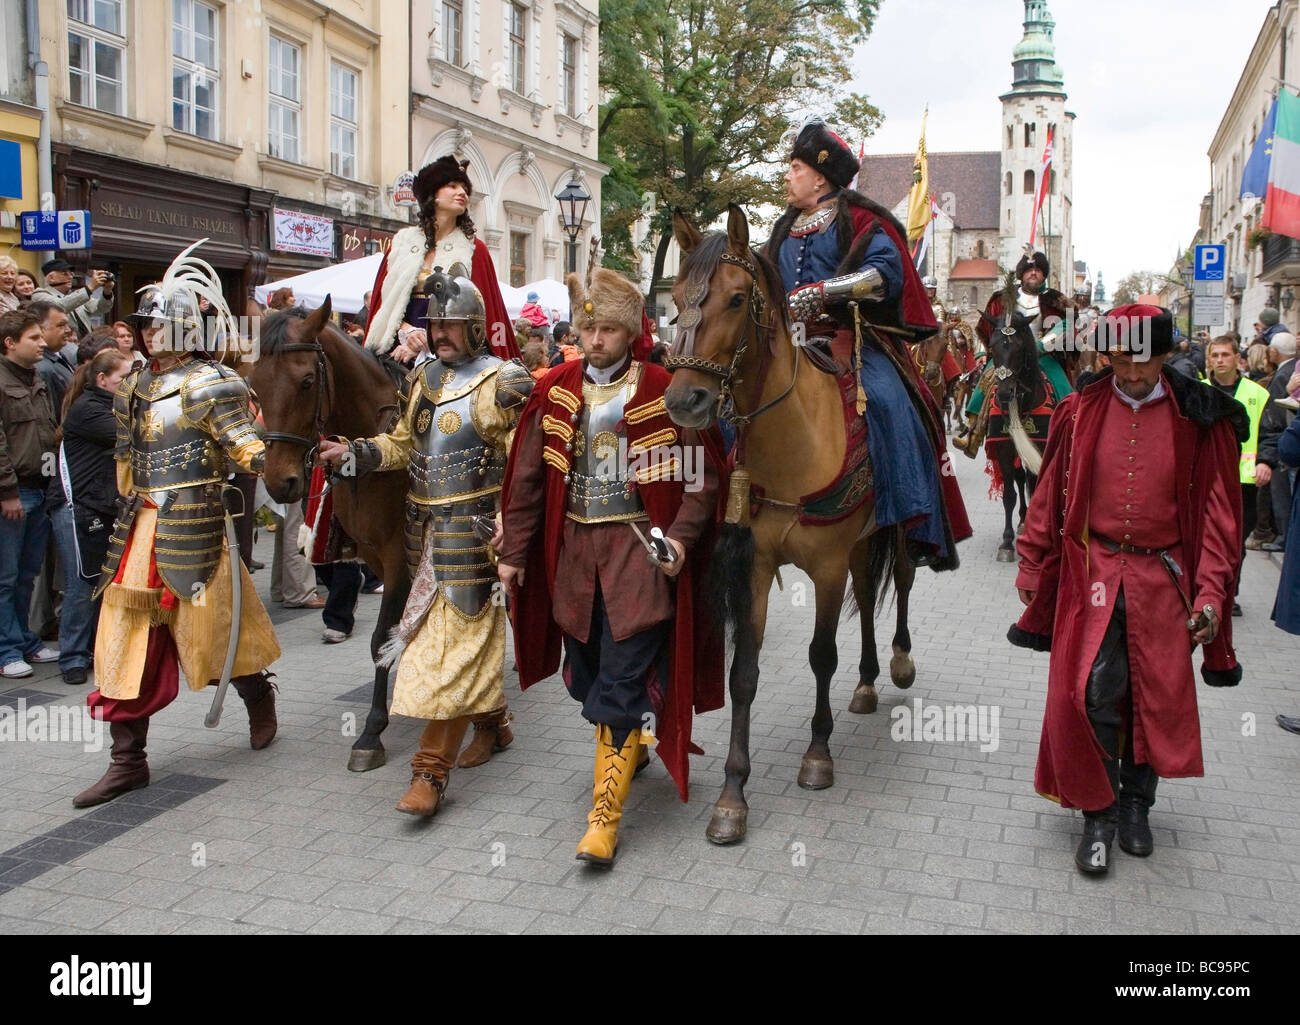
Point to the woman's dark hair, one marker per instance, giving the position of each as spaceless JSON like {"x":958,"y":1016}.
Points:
{"x":96,"y":340}
{"x":103,"y":362}
{"x":429,"y":225}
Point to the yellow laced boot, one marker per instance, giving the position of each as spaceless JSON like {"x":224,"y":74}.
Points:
{"x":613,"y":778}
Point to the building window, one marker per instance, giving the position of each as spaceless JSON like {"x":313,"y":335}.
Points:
{"x":453,"y":16}
{"x":1008,"y":183}
{"x":1029,"y":183}
{"x":518,"y":25}
{"x":1011,"y":137}
{"x":518,"y":259}
{"x":569,"y":74}
{"x":96,"y":55}
{"x":975,"y":296}
{"x":194,"y":68}
{"x":343,"y":120}
{"x":284,"y":84}
{"x":1029,"y":134}
{"x":980,"y":252}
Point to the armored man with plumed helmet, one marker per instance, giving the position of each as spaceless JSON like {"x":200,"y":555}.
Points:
{"x":453,"y":438}
{"x":854,"y":291}
{"x":611,"y":511}
{"x":1129,"y":557}
{"x":170,"y":600}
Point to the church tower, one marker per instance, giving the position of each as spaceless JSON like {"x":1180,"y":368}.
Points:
{"x":1035,"y":105}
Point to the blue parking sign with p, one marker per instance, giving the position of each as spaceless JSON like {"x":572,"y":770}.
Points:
{"x":1211,"y":262}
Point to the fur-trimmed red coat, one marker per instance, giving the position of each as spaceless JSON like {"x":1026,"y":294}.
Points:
{"x":1075,"y":583}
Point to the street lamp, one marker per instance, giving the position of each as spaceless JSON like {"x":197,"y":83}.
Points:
{"x":573,"y":200}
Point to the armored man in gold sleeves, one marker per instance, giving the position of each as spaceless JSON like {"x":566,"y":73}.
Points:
{"x":450,"y":645}
{"x":599,"y":476}
{"x":183,"y":424}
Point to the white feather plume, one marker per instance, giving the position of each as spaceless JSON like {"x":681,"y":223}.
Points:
{"x":195,"y":278}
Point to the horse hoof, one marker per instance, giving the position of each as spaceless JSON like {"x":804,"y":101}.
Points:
{"x":727,"y":826}
{"x":864,"y":701}
{"x":1006,"y":555}
{"x":816,"y":773}
{"x":365,"y":760}
{"x":902,"y":671}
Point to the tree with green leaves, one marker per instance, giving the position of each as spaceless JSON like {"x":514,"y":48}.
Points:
{"x":1142,"y":282}
{"x":697,"y":96}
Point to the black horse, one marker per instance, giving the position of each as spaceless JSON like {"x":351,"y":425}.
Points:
{"x":1022,"y":408}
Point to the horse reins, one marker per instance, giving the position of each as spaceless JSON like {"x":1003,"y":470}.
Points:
{"x":323,"y":385}
{"x":755,"y":309}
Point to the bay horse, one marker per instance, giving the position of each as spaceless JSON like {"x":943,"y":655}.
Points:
{"x":313,"y":381}
{"x":1022,"y":404}
{"x":734,"y":340}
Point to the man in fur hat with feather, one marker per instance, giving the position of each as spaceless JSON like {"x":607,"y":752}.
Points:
{"x":610,"y":512}
{"x":840,"y":256}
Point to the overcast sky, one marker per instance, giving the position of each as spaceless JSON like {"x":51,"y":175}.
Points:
{"x":1149,"y":81}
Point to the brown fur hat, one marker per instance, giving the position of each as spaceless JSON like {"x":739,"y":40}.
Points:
{"x":608,"y":296}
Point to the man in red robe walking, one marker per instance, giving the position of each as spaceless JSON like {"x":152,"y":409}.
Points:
{"x":1137,"y":508}
{"x":597,"y":466}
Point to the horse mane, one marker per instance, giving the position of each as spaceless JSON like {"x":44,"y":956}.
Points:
{"x":277,"y":332}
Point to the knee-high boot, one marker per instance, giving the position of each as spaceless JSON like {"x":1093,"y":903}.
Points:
{"x":258,"y":693}
{"x":1092,"y":856}
{"x":432,"y":764}
{"x":1137,"y":793}
{"x":492,"y":733}
{"x":128,"y":769}
{"x":615,"y":768}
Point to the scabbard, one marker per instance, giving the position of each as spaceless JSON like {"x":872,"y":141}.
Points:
{"x":213,"y":718}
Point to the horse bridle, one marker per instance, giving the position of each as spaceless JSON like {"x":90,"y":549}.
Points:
{"x":323,"y":384}
{"x":690,"y":319}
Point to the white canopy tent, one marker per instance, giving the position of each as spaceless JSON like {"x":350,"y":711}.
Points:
{"x":346,"y":283}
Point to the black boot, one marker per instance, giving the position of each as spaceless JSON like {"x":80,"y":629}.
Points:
{"x":1093,"y":854}
{"x":1137,"y":793}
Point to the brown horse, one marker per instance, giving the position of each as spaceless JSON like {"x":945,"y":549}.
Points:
{"x":734,"y":339}
{"x":313,"y":381}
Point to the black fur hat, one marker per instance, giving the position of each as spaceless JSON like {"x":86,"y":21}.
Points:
{"x":442,"y":171}
{"x":1038,"y":260}
{"x":826,"y":153}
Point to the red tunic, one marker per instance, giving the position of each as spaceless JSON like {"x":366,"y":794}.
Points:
{"x":1185,"y":496}
{"x":562,"y":560}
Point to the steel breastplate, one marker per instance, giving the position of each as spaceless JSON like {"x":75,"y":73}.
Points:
{"x":461,"y":564}
{"x":450,"y":459}
{"x":600,"y":485}
{"x":167,"y":451}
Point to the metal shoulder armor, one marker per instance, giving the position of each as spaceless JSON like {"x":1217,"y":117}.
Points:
{"x":122,"y":414}
{"x":220,"y":395}
{"x":514,"y":385}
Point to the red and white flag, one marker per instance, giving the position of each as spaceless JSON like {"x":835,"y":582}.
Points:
{"x":1044,"y":182}
{"x":923,"y":246}
{"x":862,"y":152}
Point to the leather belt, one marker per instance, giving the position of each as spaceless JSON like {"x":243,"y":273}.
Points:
{"x":1118,"y":546}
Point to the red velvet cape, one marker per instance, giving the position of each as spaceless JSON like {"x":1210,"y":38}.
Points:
{"x":484,"y":275}
{"x":696,"y":667}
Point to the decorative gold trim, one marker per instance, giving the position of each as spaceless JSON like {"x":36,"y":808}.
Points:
{"x":617,"y":518}
{"x":557,"y":427}
{"x":564,"y":397}
{"x":453,"y":499}
{"x":181,"y":484}
{"x":478,"y":379}
{"x":441,"y":568}
{"x":658,"y":471}
{"x":556,"y":459}
{"x":651,"y":441}
{"x":133,"y":599}
{"x":598,"y":394}
{"x":642,"y":413}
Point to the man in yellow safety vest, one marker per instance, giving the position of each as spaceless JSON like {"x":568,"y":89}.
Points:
{"x":1221,"y":365}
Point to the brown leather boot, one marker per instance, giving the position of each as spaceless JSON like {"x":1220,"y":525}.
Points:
{"x":491,"y":734}
{"x":258,"y":693}
{"x":128,"y":769}
{"x":432,"y":765}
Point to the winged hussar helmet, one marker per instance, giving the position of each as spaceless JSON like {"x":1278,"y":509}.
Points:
{"x":175,"y":304}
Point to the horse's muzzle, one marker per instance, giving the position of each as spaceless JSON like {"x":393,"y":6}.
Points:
{"x":692,"y":406}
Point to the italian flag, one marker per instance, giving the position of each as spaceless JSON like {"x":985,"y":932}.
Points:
{"x":1282,"y":200}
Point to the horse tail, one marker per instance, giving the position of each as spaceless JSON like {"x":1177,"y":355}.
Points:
{"x":873,"y":571}
{"x":728,"y":587}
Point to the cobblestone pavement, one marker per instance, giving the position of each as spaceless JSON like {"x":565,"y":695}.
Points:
{"x":915,"y":836}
